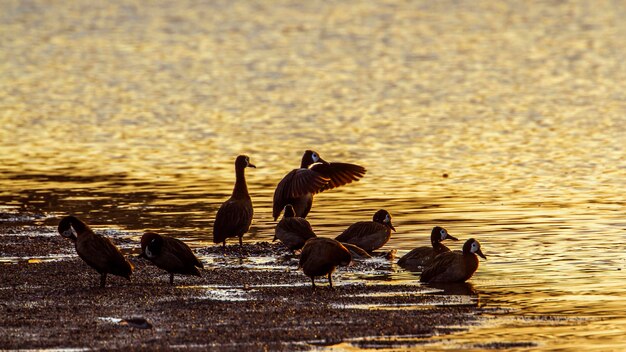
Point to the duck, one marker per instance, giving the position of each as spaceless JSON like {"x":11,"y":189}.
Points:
{"x":234,"y":216}
{"x":315,"y":175}
{"x":169,"y":254}
{"x":422,"y":256}
{"x":369,"y":235}
{"x":95,"y":250}
{"x":454,"y":266}
{"x":293,"y":231}
{"x":320,"y":256}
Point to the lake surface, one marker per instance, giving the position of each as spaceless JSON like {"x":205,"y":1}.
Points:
{"x":130,"y":115}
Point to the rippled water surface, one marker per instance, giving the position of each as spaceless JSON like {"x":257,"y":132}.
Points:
{"x":130,"y":115}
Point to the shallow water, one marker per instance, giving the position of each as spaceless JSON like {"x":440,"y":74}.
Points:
{"x":130,"y":115}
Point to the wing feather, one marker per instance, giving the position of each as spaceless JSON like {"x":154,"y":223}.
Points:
{"x":339,"y":174}
{"x":101,"y":254}
{"x":297,"y":183}
{"x":360,"y":230}
{"x":439,"y":265}
{"x":182,"y":250}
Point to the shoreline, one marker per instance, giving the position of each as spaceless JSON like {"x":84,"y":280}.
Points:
{"x":258,"y":300}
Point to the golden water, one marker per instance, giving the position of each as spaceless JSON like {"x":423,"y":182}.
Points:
{"x":130,"y":114}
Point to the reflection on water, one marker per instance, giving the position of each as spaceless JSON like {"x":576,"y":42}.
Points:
{"x":131,"y":116}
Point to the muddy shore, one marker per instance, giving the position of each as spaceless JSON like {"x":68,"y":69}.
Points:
{"x":50,"y":299}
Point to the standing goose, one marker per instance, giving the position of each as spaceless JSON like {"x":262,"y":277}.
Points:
{"x":234,"y":217}
{"x":320,"y":256}
{"x":422,"y":256}
{"x":369,"y":235}
{"x":95,"y":250}
{"x":315,"y":175}
{"x":293,"y":231}
{"x":169,"y":254}
{"x":454,"y":266}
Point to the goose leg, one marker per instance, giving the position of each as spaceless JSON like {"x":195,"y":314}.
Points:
{"x":103,"y":279}
{"x":330,"y":280}
{"x":171,"y":279}
{"x":313,"y":282}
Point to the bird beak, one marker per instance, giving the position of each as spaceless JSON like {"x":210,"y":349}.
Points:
{"x":323,"y":161}
{"x":391,"y":226}
{"x":449,"y":236}
{"x":480,"y":253}
{"x":251,"y":165}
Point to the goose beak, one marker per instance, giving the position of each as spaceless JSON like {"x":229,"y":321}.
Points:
{"x":450,"y":237}
{"x":323,"y":161}
{"x":480,"y":253}
{"x":391,"y":226}
{"x":251,"y":165}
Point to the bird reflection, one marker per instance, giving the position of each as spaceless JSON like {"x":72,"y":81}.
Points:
{"x":455,"y":289}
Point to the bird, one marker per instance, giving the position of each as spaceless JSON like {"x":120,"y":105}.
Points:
{"x":320,"y":256}
{"x":169,"y":254}
{"x":293,"y":231}
{"x":95,"y":250}
{"x":369,"y":235}
{"x":454,"y":266}
{"x":315,"y":175}
{"x":422,"y":256}
{"x":234,"y":216}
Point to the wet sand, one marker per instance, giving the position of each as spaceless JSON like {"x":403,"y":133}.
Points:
{"x":57,"y":304}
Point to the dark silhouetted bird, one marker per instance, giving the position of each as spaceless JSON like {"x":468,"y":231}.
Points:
{"x":369,"y":235}
{"x":234,"y":217}
{"x":314,"y":176}
{"x":95,"y":250}
{"x":420,"y":257}
{"x":320,"y":256}
{"x":293,"y":231}
{"x":454,"y":266}
{"x":169,"y":254}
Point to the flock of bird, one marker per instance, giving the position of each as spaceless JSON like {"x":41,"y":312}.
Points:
{"x":294,"y":198}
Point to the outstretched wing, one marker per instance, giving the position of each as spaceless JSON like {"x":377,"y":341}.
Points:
{"x":338,"y":174}
{"x":295,"y":184}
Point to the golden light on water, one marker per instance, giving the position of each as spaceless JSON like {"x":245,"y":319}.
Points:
{"x":131,"y":114}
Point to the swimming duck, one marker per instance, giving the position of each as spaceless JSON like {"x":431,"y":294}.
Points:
{"x":95,"y":250}
{"x":234,"y":217}
{"x":454,"y":266}
{"x":369,"y":235}
{"x":169,"y":254}
{"x":320,"y":256}
{"x":293,"y":231}
{"x":315,"y":175}
{"x":422,"y":256}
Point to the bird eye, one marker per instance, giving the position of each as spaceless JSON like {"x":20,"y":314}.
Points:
{"x":443,"y":234}
{"x":315,"y":157}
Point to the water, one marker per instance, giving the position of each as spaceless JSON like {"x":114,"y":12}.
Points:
{"x":131,"y":114}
